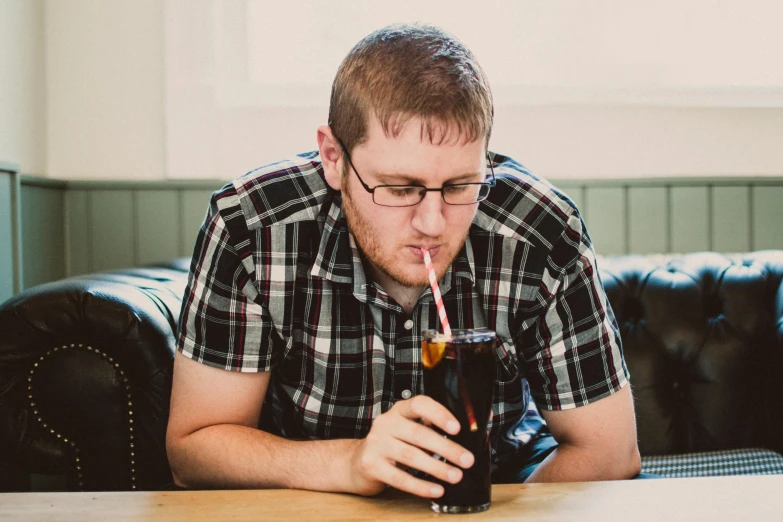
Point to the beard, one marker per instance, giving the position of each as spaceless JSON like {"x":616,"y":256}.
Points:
{"x":375,"y":257}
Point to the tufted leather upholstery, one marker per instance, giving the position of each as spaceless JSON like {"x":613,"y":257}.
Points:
{"x":85,"y":364}
{"x":85,"y":378}
{"x":703,"y":340}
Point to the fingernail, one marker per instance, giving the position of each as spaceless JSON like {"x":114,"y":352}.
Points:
{"x":436,"y":491}
{"x":454,"y":476}
{"x":452,"y":427}
{"x":466,"y":459}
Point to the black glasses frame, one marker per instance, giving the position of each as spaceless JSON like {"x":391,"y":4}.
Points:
{"x":371,"y":190}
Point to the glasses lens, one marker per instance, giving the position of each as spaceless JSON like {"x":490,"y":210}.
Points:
{"x":465,"y":194}
{"x":402,"y":196}
{"x":409,"y":195}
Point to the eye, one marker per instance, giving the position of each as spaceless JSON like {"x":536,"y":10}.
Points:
{"x":402,"y":192}
{"x":456,"y":189}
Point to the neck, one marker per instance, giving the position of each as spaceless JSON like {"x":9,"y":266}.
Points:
{"x":406,"y":296}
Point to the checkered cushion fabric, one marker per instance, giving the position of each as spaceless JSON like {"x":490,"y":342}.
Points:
{"x":751,"y":461}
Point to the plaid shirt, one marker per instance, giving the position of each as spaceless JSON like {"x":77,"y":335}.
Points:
{"x":277,"y":284}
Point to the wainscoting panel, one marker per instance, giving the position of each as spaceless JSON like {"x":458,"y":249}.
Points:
{"x":112,"y":229}
{"x":687,"y":215}
{"x":121,"y":227}
{"x":7,"y":261}
{"x":577,"y":194}
{"x":767,"y":217}
{"x":43,"y":230}
{"x":194,"y":209}
{"x":690,"y":219}
{"x":648,"y":220}
{"x":79,"y":227}
{"x":606,"y":218}
{"x":731,"y":219}
{"x":158,"y":231}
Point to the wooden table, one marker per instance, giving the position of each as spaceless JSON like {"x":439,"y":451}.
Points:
{"x":717,"y":498}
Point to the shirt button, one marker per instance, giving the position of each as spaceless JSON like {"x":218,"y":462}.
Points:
{"x":406,"y":394}
{"x":408,"y":324}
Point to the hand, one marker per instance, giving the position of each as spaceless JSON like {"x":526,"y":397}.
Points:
{"x":397,"y":437}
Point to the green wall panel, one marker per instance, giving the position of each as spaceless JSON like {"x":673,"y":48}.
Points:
{"x":606,"y":219}
{"x":6,"y":236}
{"x":690,"y":219}
{"x":79,"y":226}
{"x":112,"y":227}
{"x":575,"y":192}
{"x":158,"y":226}
{"x":767,"y":217}
{"x":194,"y":209}
{"x":577,"y":195}
{"x":43,"y":230}
{"x":730,"y":219}
{"x":648,"y":220}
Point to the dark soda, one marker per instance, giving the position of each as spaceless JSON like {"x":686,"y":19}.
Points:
{"x":460,"y":374}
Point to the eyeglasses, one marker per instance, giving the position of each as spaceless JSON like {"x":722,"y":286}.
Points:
{"x":410,"y":195}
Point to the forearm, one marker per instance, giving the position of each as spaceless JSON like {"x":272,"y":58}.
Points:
{"x":233,"y":457}
{"x":570,"y":463}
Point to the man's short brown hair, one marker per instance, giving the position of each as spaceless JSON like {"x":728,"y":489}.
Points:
{"x":405,"y":71}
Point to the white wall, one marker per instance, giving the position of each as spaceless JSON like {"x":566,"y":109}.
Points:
{"x":23,"y":84}
{"x":599,"y":89}
{"x":594,"y":142}
{"x":150,"y":89}
{"x":105,"y":88}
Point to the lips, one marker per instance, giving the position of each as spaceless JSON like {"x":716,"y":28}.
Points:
{"x":417,"y":250}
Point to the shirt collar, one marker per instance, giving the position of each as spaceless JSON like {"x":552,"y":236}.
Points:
{"x":334,"y":259}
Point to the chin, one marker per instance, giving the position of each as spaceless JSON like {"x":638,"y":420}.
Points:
{"x":408,"y":280}
{"x":413,"y":277}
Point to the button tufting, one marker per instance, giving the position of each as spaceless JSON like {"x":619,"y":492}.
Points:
{"x":634,"y":310}
{"x":713,"y":306}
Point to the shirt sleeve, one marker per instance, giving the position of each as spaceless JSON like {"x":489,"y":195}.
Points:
{"x":572,"y":354}
{"x":223,"y":321}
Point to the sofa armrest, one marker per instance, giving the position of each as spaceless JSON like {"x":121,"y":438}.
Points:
{"x":85,"y":378}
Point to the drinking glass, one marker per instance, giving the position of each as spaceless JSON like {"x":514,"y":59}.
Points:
{"x":459,"y":373}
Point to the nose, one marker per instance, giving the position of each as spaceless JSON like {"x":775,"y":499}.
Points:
{"x":428,"y":217}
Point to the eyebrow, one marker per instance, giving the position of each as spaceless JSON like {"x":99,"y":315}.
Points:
{"x":406,"y":179}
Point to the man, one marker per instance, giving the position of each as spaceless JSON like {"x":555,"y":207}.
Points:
{"x":308,"y":293}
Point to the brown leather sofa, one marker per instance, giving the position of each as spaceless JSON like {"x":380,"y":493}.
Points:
{"x":85,"y":367}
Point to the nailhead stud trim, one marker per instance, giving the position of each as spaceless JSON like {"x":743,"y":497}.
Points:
{"x":60,"y":436}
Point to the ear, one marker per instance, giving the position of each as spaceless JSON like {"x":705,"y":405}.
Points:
{"x":331,"y":157}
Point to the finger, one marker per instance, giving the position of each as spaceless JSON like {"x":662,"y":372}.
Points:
{"x":419,"y":436}
{"x":415,"y":458}
{"x":396,"y":478}
{"x":429,"y":410}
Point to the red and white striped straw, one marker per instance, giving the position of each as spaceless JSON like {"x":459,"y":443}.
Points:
{"x":436,"y":293}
